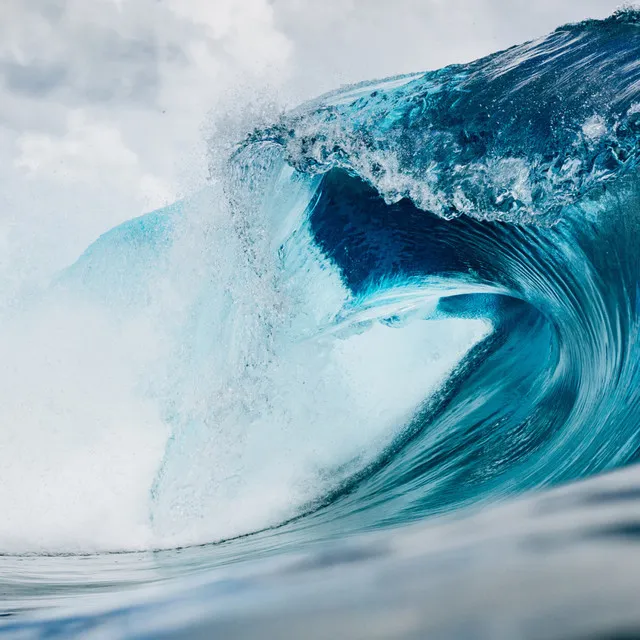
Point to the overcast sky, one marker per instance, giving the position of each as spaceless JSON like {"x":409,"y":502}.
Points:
{"x":104,"y":102}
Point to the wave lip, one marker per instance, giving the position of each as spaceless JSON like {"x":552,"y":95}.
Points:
{"x":516,"y":136}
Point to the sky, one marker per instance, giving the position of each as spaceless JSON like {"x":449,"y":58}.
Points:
{"x":105,"y":105}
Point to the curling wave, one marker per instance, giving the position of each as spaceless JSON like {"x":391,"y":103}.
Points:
{"x":406,"y":297}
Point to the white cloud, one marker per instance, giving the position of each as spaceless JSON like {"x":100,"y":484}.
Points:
{"x":87,"y":152}
{"x":91,"y":153}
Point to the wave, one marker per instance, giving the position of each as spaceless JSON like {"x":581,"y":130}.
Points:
{"x":500,"y":194}
{"x":406,"y":297}
{"x":403,"y":298}
{"x":514,"y":179}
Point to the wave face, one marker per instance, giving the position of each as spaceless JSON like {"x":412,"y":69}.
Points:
{"x":514,"y":180}
{"x":407,"y":297}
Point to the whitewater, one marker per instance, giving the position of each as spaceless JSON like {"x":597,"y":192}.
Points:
{"x":378,"y":378}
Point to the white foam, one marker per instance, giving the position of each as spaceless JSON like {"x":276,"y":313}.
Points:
{"x":79,"y":446}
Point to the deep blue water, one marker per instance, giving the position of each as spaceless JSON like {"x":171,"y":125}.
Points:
{"x":403,"y":383}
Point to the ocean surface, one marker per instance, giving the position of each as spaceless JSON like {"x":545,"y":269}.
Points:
{"x":380,"y":378}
